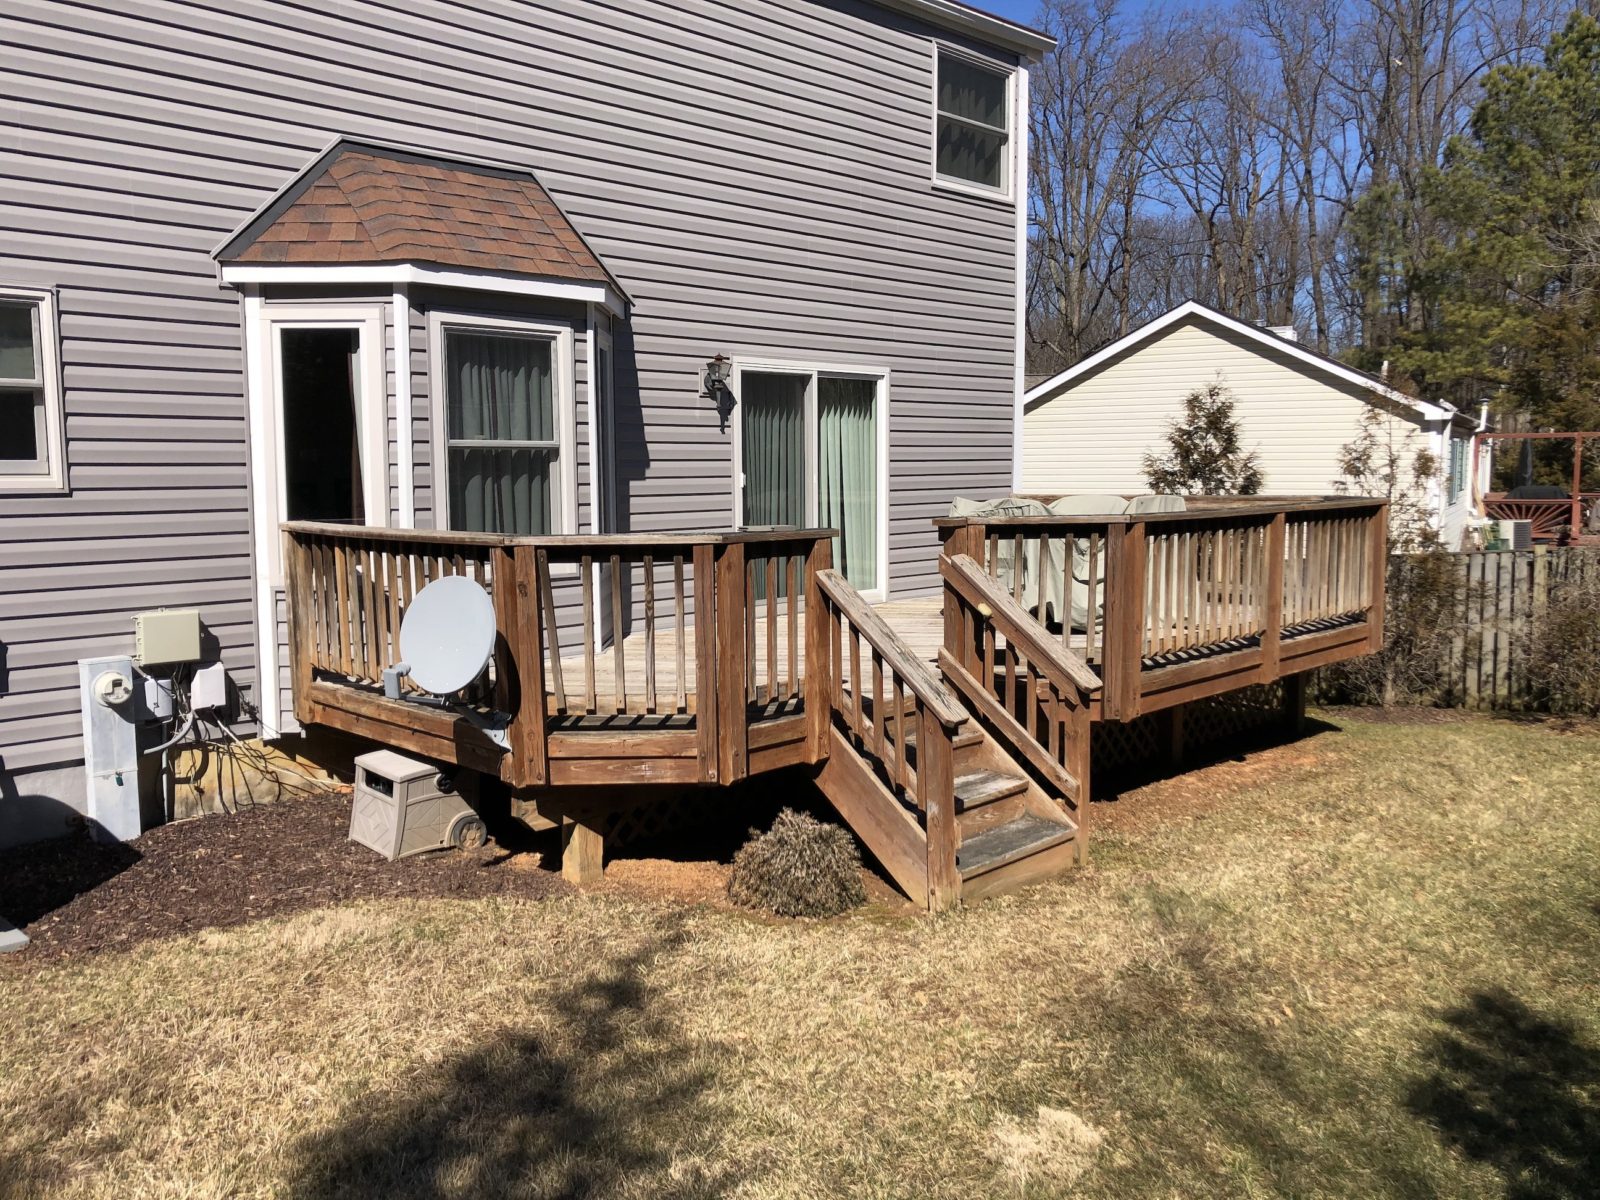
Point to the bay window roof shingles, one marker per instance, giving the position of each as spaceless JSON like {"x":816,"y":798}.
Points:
{"x":366,"y":205}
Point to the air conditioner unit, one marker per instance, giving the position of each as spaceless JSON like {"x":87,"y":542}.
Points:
{"x":404,"y":806}
{"x":1515,"y":535}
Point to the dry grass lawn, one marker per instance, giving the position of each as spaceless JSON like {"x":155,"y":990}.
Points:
{"x":1363,"y":965}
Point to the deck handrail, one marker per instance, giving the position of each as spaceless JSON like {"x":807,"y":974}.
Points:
{"x":918,"y":675}
{"x":1061,"y":666}
{"x":1040,"y":702}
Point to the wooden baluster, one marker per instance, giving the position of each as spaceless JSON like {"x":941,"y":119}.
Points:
{"x":836,"y":659}
{"x":857,"y":688}
{"x":619,"y":657}
{"x":546,"y":615}
{"x":796,"y":571}
{"x":1039,"y":584}
{"x":649,"y":634}
{"x":591,"y":700}
{"x":1091,"y":614}
{"x":878,"y":722}
{"x":342,"y":574}
{"x":682,"y":704}
{"x":772,"y":625}
{"x":897,"y":691}
{"x":1016,"y":567}
{"x":1068,"y":558}
{"x":988,"y":657}
{"x":751,"y":694}
{"x":994,"y":555}
{"x":821,"y":673}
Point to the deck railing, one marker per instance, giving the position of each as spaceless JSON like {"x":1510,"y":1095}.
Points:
{"x":1167,"y":607}
{"x":671,"y":645}
{"x":1032,"y":690}
{"x":887,"y":702}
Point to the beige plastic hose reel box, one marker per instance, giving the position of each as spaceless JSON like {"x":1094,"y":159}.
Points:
{"x":405,"y":806}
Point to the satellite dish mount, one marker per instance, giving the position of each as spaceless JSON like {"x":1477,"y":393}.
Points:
{"x":446,"y":640}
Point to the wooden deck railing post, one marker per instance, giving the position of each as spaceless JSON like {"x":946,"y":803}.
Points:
{"x":732,"y":665}
{"x":519,"y":687}
{"x":1378,"y":576}
{"x":706,"y":716}
{"x":1272,"y":619}
{"x":297,"y":606}
{"x":1125,"y":615}
{"x":936,"y":785}
{"x":819,"y":671}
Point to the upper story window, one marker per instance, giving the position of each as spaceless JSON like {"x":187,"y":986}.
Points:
{"x":30,"y":392}
{"x":972,"y":142}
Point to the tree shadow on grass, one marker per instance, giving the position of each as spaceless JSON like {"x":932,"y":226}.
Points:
{"x":1518,"y":1091}
{"x":611,"y":1101}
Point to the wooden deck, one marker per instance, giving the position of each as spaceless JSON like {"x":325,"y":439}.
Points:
{"x":1044,"y":624}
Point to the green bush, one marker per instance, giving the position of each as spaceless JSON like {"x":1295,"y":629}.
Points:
{"x":798,"y":868}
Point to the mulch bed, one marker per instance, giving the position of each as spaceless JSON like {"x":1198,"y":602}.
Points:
{"x":75,"y":897}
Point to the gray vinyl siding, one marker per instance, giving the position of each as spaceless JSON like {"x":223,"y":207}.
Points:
{"x":754,"y":172}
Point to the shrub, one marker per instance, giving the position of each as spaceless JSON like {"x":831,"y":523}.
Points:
{"x":1428,"y":596}
{"x":1562,"y":651}
{"x":798,"y":868}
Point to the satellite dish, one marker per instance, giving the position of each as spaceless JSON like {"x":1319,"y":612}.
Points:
{"x":447,"y":636}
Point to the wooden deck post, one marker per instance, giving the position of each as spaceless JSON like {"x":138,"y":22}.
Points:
{"x":1272,"y":624}
{"x":1177,"y":742}
{"x":1125,"y":615}
{"x":519,"y":685}
{"x":1294,"y":704}
{"x":938,"y":787}
{"x":732,"y":666}
{"x":582,"y":851}
{"x":819,"y":671}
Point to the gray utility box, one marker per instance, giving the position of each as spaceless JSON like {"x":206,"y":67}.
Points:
{"x":405,"y":806}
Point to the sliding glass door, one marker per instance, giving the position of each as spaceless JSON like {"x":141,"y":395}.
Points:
{"x":811,"y":443}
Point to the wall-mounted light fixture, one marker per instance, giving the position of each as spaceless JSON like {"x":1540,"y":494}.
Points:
{"x":717,"y":389}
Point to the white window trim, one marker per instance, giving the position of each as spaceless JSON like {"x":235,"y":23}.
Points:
{"x":54,"y":477}
{"x":947,"y":183}
{"x":561,"y":335}
{"x":267,"y":503}
{"x":779,"y":366}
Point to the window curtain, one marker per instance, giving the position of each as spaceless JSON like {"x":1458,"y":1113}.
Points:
{"x":501,"y":390}
{"x":774,"y":449}
{"x":847,"y":494}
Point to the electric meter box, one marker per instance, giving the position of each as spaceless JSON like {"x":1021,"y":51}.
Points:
{"x":405,"y":806}
{"x":166,"y":636}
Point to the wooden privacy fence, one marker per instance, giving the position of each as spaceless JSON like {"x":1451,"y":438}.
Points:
{"x":1504,"y":595}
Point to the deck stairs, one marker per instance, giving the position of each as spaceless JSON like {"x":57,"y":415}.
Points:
{"x":938,"y":788}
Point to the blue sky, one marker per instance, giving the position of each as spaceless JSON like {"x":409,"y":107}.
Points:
{"x":1018,"y":10}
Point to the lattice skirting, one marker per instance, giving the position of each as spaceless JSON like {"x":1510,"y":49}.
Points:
{"x":1135,"y":747}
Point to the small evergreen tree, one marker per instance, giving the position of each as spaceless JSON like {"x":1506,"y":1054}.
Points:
{"x":1204,"y":455}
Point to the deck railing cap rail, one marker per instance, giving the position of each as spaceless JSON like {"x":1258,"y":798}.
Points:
{"x":597,"y":541}
{"x":917,"y":675}
{"x":1245,"y":508}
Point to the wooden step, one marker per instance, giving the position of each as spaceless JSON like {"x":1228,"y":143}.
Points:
{"x":1009,"y":843}
{"x":985,"y":799}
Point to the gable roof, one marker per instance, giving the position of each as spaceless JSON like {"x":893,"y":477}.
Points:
{"x":366,"y":204}
{"x":1266,"y":340}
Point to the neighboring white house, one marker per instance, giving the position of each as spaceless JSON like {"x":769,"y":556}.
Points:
{"x":1089,"y":428}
